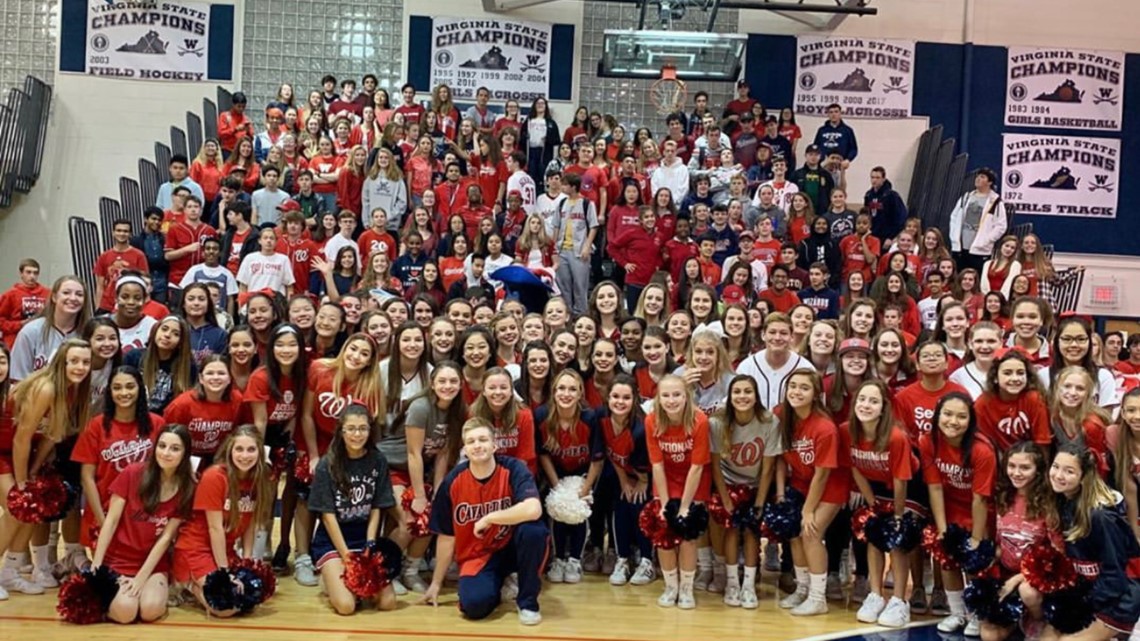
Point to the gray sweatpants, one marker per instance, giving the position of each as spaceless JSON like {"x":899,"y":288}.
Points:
{"x":574,"y":281}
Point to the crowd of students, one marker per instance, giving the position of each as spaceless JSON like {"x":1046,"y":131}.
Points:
{"x":723,"y":325}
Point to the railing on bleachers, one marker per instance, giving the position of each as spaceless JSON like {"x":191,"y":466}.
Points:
{"x":23,"y":132}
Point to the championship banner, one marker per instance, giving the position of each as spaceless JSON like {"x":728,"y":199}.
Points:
{"x":1061,"y":175}
{"x":509,"y":57}
{"x":148,"y":40}
{"x":869,"y":78}
{"x":1064,"y":88}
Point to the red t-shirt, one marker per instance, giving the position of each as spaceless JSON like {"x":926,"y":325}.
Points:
{"x":895,"y":462}
{"x":472,"y":216}
{"x":490,"y":177}
{"x":209,"y":422}
{"x":593,"y":182}
{"x":816,"y":444}
{"x":233,"y":261}
{"x":914,"y":407}
{"x":110,"y":265}
{"x":138,"y":530}
{"x":300,"y":253}
{"x":110,"y":452}
{"x":325,"y":165}
{"x":181,"y":235}
{"x":372,"y":241}
{"x":646,"y":386}
{"x":518,"y":440}
{"x":329,"y":403}
{"x":412,"y":113}
{"x":257,"y":391}
{"x":574,"y":448}
{"x":676,"y":253}
{"x":1009,"y":422}
{"x":851,"y":250}
{"x":679,"y":451}
{"x":212,"y":496}
{"x":450,"y":271}
{"x":780,"y":302}
{"x":767,"y":252}
{"x":943,"y":466}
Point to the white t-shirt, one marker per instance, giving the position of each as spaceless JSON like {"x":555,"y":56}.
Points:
{"x":259,"y":271}
{"x":137,"y":337}
{"x":521,"y":182}
{"x":770,"y":381}
{"x":334,"y":245}
{"x":200,"y":273}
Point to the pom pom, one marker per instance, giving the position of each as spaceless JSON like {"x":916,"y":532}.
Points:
{"x":749,"y":517}
{"x":1069,"y":611}
{"x":956,"y":544}
{"x":655,"y":528}
{"x":784,"y":518}
{"x":252,"y":592}
{"x":372,"y":569}
{"x":690,"y":526}
{"x":565,"y":504}
{"x":1047,"y":569}
{"x":861,"y":517}
{"x":219,"y":591}
{"x":303,"y":475}
{"x":281,"y":459}
{"x":417,"y":521}
{"x":718,"y":513}
{"x":981,"y":597}
{"x":904,"y":534}
{"x":84,"y":598}
{"x":44,"y":499}
{"x":264,"y":573}
{"x":932,"y":544}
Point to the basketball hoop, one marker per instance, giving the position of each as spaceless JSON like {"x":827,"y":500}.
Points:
{"x":668,"y":92}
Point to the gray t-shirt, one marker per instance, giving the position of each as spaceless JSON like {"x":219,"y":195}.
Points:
{"x":424,"y":415}
{"x":748,"y":446}
{"x":574,"y":222}
{"x":265,"y":203}
{"x":973,"y":219}
{"x":369,"y":488}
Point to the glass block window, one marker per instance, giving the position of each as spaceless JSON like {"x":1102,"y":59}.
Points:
{"x":30,"y":34}
{"x":628,"y":99}
{"x":299,"y":41}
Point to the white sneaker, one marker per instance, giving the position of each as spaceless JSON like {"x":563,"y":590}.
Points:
{"x":896,"y":614}
{"x":703,"y":579}
{"x":557,"y":571}
{"x":872,"y":607}
{"x":732,"y":596}
{"x":644,"y":574}
{"x":17,"y":583}
{"x":973,"y":628}
{"x":771,"y":557}
{"x":668,"y":598}
{"x":810,"y":607}
{"x":510,"y":589}
{"x":303,"y":571}
{"x":530,"y":617}
{"x":795,"y":598}
{"x":686,"y":601}
{"x":620,"y":574}
{"x":573,"y":571}
{"x":952,"y":623}
{"x":3,"y":594}
{"x":399,"y":588}
{"x":44,"y":578}
{"x":748,"y":598}
{"x":411,"y":580}
{"x":609,"y":561}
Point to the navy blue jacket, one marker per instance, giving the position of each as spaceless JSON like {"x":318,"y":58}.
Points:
{"x":888,"y":211}
{"x":1109,"y":557}
{"x":839,"y":138}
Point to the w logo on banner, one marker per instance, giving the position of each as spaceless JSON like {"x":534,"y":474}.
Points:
{"x":1104,"y":94}
{"x":533,"y":63}
{"x":191,"y":47}
{"x":1101,"y":182}
{"x":895,"y":83}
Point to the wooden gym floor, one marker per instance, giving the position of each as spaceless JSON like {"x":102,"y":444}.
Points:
{"x":590,"y":611}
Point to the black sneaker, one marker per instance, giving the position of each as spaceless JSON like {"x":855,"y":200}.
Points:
{"x":280,"y":563}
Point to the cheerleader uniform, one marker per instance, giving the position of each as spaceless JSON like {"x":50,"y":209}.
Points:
{"x":679,"y":451}
{"x":1109,"y":557}
{"x":627,"y":451}
{"x":572,"y":453}
{"x":111,"y":450}
{"x":518,"y":440}
{"x":368,"y":489}
{"x":138,"y":530}
{"x":193,"y":556}
{"x":278,"y":412}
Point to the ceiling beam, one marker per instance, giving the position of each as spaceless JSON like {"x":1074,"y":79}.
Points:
{"x":841,"y":8}
{"x":503,"y":6}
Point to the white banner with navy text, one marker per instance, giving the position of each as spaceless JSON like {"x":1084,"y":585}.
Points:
{"x":1061,"y":175}
{"x":511,"y":58}
{"x":868,"y":78}
{"x":1064,"y":88}
{"x":148,"y":40}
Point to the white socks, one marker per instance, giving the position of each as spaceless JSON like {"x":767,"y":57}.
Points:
{"x":687,"y":578}
{"x":818,"y":587}
{"x":40,"y":559}
{"x":671,"y":578}
{"x":749,"y":582}
{"x":802,"y":578}
{"x":704,"y":558}
{"x":956,"y":601}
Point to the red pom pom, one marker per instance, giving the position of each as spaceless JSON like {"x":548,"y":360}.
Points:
{"x":718,"y":513}
{"x":417,"y":521}
{"x":655,"y":528}
{"x":741,"y":495}
{"x":1047,"y":569}
{"x":263,"y":572}
{"x":364,"y":573}
{"x":301,"y":470}
{"x":859,"y":522}
{"x":932,"y":543}
{"x":44,"y":498}
{"x":79,"y":602}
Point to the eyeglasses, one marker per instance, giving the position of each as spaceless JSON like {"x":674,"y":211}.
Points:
{"x":1071,"y":340}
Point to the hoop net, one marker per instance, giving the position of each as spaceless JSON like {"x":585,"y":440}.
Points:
{"x":668,"y":92}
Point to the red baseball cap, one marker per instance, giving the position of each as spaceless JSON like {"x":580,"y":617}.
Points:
{"x":289,"y":205}
{"x":851,"y":344}
{"x":732,"y":295}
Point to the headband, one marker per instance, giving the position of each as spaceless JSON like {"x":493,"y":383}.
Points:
{"x":128,"y":279}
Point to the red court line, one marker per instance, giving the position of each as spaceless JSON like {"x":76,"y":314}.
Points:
{"x":371,"y":632}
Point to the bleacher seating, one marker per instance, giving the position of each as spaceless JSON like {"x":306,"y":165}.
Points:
{"x":23,"y":132}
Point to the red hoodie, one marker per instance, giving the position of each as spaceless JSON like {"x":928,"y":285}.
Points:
{"x":643,"y":250}
{"x":19,"y":305}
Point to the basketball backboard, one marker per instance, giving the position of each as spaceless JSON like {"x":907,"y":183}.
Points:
{"x":697,"y":55}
